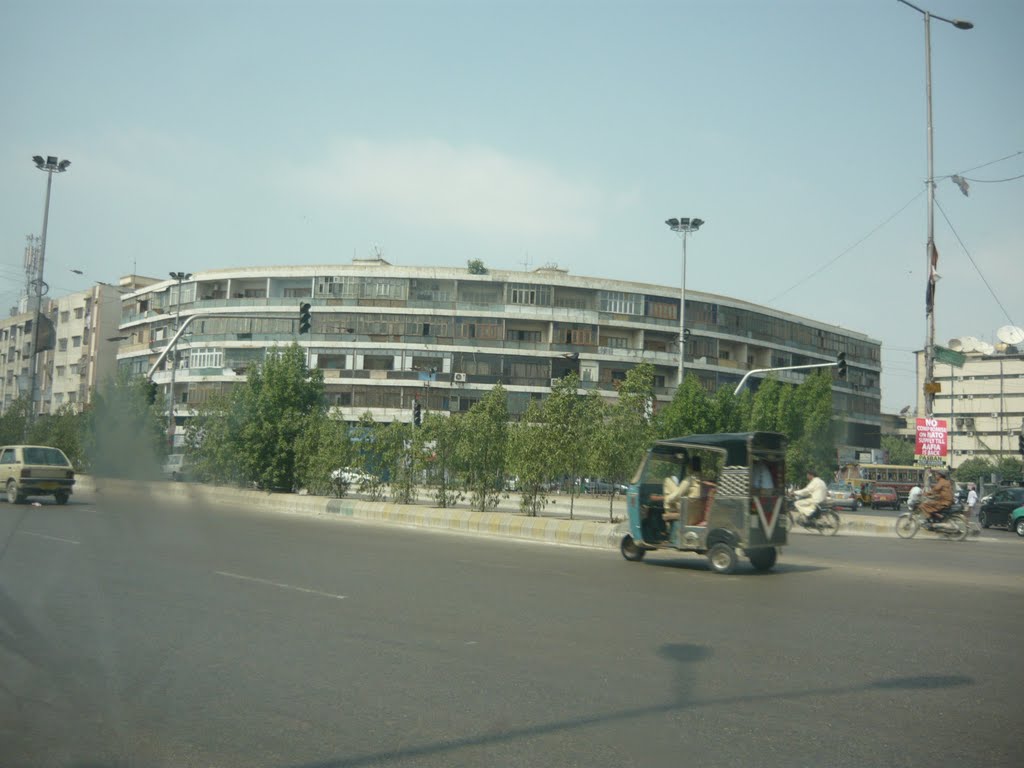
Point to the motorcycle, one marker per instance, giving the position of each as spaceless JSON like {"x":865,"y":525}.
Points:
{"x":826,"y":523}
{"x":951,"y":525}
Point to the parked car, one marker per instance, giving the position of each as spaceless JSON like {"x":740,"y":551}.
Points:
{"x":998,"y":508}
{"x":352,"y":477}
{"x":884,"y":497}
{"x":601,"y":487}
{"x":842,"y":496}
{"x":176,"y":468}
{"x":35,"y":470}
{"x":1017,"y":521}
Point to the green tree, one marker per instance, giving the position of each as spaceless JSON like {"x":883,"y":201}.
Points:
{"x":402,"y":453}
{"x":531,"y":457}
{"x":765,"y":412}
{"x":441,"y":449}
{"x":975,"y":470}
{"x":812,"y":445}
{"x":250,"y":435}
{"x":322,"y":446}
{"x":62,"y":429}
{"x":124,"y":434}
{"x":372,"y":452}
{"x":625,"y":431}
{"x":690,"y":412}
{"x":569,"y":424}
{"x":483,"y":447}
{"x":899,"y":450}
{"x":14,"y":421}
{"x":476,"y":267}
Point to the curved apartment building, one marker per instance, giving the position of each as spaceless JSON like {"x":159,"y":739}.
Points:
{"x":387,"y":335}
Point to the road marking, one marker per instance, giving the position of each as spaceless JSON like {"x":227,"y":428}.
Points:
{"x":51,"y":538}
{"x":279,"y":585}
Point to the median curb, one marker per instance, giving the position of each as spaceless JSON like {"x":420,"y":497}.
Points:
{"x":580,"y":533}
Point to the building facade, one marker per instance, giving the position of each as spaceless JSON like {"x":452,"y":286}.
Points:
{"x":982,"y":403}
{"x":387,"y":336}
{"x":76,"y":348}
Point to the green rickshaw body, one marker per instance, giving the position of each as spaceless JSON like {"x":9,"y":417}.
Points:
{"x":734,"y":495}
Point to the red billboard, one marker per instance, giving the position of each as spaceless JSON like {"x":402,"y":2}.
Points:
{"x":932,"y":438}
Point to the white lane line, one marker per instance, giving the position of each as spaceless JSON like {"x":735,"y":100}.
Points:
{"x":279,"y":585}
{"x":51,"y":538}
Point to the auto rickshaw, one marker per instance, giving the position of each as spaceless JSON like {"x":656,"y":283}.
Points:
{"x":715,"y":495}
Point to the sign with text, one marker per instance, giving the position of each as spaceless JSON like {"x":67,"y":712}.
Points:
{"x":931,"y":438}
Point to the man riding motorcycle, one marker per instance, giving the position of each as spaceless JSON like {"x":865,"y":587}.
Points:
{"x":811,"y":497}
{"x":937,"y":498}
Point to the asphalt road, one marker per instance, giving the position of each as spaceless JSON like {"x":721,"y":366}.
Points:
{"x":140,"y":635}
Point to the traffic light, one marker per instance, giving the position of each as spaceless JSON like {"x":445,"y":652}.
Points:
{"x":416,"y":414}
{"x":305,"y":318}
{"x":841,"y":365}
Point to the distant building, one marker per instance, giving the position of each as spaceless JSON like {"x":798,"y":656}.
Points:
{"x":387,"y":336}
{"x":983,"y":402}
{"x":78,"y":347}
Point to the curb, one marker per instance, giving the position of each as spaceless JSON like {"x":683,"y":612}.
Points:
{"x":580,"y":533}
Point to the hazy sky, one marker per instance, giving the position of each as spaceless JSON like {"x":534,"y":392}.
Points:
{"x":215,"y":134}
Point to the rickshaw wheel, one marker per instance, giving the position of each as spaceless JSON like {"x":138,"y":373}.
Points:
{"x":630,"y":550}
{"x":722,"y":558}
{"x":763,"y":559}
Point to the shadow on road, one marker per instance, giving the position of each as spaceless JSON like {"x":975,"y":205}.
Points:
{"x":686,"y":657}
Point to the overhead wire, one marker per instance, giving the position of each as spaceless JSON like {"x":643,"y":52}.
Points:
{"x":973,"y":262}
{"x":828,"y":264}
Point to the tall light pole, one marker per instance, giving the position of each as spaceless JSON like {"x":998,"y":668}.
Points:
{"x":683,"y":227}
{"x":931,"y":255}
{"x":49,"y":166}
{"x":180,"y":277}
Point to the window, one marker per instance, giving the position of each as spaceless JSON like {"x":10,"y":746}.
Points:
{"x":206,"y":358}
{"x":297,"y":293}
{"x":616,"y":342}
{"x":514,"y":335}
{"x":58,"y":398}
{"x":73,"y":368}
{"x":60,"y":370}
{"x":62,"y":345}
{"x":529,"y":295}
{"x":76,"y":341}
{"x":65,"y":316}
{"x":79,"y":313}
{"x":620,"y":303}
{"x":663,"y":310}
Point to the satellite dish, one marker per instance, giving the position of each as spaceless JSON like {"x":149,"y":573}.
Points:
{"x":955,"y":344}
{"x":985,"y":348}
{"x":1010,"y":334}
{"x":969,"y":344}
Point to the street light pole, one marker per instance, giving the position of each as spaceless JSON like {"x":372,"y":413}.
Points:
{"x":171,"y":428}
{"x":49,"y":166}
{"x":931,"y":256}
{"x":683,"y":227}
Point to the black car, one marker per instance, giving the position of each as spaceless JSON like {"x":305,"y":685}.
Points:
{"x":996,"y":509}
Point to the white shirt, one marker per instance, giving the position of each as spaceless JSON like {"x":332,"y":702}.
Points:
{"x":816,"y":490}
{"x":914,"y":495}
{"x":972,"y":498}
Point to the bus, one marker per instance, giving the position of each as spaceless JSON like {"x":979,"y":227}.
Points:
{"x":863,"y":477}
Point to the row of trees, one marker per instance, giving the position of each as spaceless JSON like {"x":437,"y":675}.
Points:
{"x":275,"y":431}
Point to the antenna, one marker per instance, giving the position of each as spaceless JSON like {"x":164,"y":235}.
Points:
{"x":527,"y":261}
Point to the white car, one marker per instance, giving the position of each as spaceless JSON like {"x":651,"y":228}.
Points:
{"x":351,"y":476}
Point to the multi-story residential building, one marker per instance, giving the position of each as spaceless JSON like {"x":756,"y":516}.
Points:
{"x":387,"y":336}
{"x":982,"y":402}
{"x":79,"y":355}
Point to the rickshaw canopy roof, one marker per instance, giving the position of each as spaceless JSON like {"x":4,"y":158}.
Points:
{"x":735,"y":444}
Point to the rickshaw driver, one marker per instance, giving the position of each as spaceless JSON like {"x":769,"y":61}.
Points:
{"x":811,"y":496}
{"x":676,"y":492}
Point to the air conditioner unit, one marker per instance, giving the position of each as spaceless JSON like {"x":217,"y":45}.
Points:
{"x":459,"y":378}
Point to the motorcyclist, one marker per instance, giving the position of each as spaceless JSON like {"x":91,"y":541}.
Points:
{"x":811,"y":497}
{"x":937,"y":498}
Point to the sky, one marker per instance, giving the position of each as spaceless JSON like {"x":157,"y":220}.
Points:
{"x":223,"y":133}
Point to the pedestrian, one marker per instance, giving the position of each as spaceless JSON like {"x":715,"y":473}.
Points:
{"x":972,"y":502}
